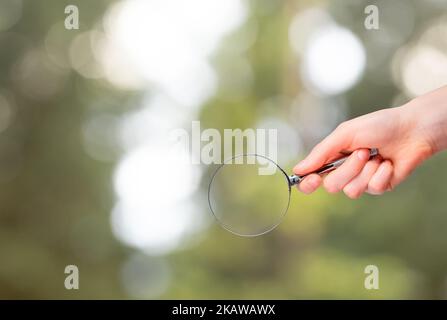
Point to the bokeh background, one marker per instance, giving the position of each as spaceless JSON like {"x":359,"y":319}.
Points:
{"x":88,"y":175}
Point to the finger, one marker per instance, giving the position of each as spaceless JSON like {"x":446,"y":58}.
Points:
{"x":380,"y":181}
{"x":337,"y":179}
{"x":310,"y":183}
{"x":327,"y":149}
{"x":358,"y":185}
{"x":403,"y":169}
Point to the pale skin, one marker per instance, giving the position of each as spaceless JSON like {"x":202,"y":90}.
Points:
{"x":406,"y":136}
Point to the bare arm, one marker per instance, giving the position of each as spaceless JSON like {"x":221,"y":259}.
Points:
{"x":405,"y":136}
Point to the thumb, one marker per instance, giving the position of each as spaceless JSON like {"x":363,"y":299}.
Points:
{"x":328,"y":149}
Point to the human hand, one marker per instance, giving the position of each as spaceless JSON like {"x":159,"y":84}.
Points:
{"x":405,"y":137}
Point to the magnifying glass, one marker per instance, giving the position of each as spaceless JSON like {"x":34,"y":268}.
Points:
{"x":249,"y":194}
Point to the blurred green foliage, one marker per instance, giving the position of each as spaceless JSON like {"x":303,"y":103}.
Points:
{"x":55,"y":200}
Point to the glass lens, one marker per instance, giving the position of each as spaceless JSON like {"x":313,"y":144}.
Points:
{"x":249,"y":195}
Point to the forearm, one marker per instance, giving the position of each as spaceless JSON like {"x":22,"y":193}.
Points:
{"x":405,"y":136}
{"x":429,"y":115}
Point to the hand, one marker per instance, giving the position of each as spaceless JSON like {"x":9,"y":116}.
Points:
{"x":405,"y":137}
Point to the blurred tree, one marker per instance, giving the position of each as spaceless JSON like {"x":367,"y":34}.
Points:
{"x":55,"y":200}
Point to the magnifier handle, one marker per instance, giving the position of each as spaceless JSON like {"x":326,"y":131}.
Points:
{"x":295,"y":179}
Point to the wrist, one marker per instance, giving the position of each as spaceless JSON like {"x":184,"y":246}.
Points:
{"x":428,"y":114}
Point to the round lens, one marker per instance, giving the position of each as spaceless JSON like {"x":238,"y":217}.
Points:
{"x":249,"y":195}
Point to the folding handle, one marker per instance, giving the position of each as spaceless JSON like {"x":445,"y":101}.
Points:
{"x":295,"y":179}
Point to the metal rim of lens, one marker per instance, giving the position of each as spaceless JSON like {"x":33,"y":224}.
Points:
{"x":222,"y":224}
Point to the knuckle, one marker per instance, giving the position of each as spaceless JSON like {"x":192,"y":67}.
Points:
{"x":316,"y":148}
{"x":329,"y":186}
{"x":344,"y":125}
{"x":305,"y":188}
{"x":375,"y":188}
{"x":351,"y":192}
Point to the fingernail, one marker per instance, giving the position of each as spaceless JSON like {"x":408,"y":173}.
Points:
{"x":363,"y":154}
